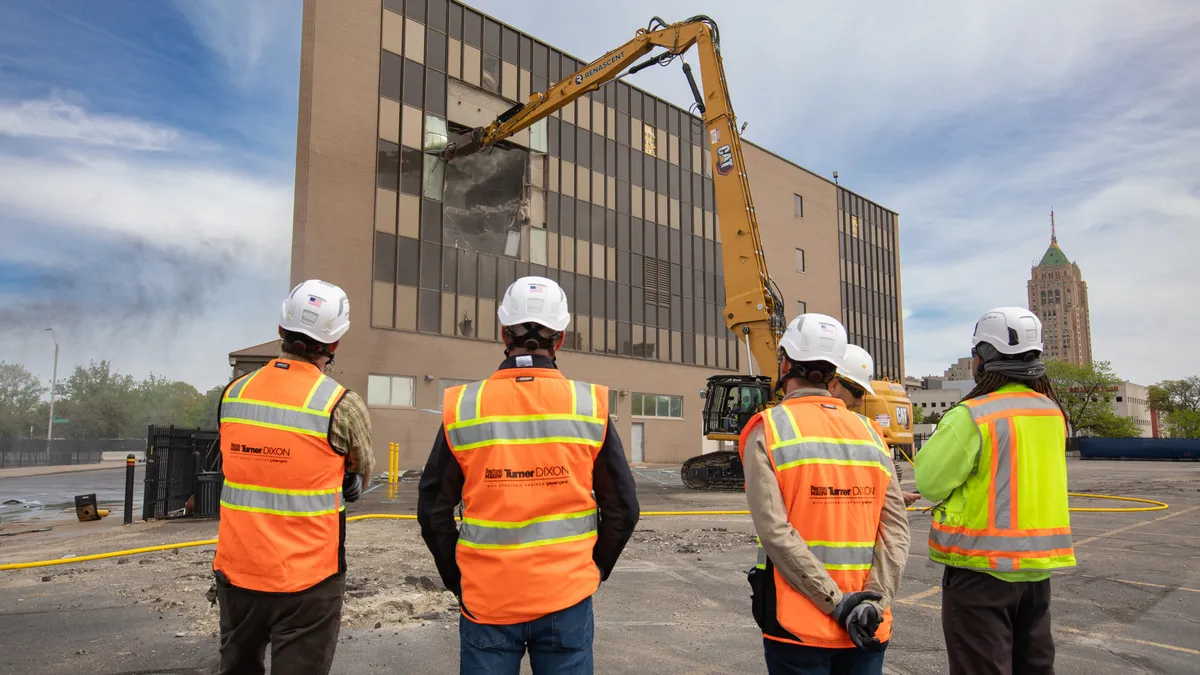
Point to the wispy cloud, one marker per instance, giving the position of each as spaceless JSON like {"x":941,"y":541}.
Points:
{"x":60,"y":120}
{"x":244,"y":35}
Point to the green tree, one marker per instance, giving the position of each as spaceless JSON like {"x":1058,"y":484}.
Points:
{"x":1086,"y":394}
{"x":203,"y":411}
{"x":1178,"y":402}
{"x":164,"y":402}
{"x":919,"y":415}
{"x":934,"y":417}
{"x":1108,"y":424}
{"x":20,"y":396}
{"x":99,"y":401}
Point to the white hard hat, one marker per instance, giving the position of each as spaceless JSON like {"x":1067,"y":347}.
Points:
{"x":317,"y":309}
{"x":814,"y":337}
{"x":857,"y":367}
{"x":1011,"y":330}
{"x":535,"y":300}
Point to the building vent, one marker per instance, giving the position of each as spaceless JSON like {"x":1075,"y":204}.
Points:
{"x":658,"y":282}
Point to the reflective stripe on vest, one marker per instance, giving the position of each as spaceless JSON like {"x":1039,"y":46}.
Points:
{"x":761,"y":563}
{"x":844,"y":555}
{"x":540,"y":531}
{"x":471,"y":430}
{"x":1003,"y":545}
{"x":258,"y":499}
{"x":791,"y":450}
{"x":311,"y":419}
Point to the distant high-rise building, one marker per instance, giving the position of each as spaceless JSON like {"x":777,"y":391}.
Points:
{"x":962,"y":369}
{"x":1058,"y":296}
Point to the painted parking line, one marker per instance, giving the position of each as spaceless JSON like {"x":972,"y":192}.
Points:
{"x":1104,"y":637}
{"x":1084,"y":542}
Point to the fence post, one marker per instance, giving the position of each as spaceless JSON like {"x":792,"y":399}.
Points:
{"x":130,"y":465}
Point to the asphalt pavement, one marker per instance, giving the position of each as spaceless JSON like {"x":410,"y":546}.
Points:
{"x":56,"y":494}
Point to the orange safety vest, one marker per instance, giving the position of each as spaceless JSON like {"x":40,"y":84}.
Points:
{"x":833,"y":471}
{"x":526,"y":440}
{"x":282,"y":515}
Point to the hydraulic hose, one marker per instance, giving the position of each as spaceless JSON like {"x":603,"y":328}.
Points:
{"x":1154,"y":506}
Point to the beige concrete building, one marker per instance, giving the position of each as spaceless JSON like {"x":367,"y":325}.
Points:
{"x":1058,"y":296}
{"x":935,"y":400}
{"x":1133,"y":400}
{"x":961,"y":369}
{"x":612,"y":197}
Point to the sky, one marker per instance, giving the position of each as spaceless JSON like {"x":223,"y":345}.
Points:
{"x":147,"y":160}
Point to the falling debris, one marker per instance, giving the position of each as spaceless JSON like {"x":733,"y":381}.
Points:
{"x":485,"y":202}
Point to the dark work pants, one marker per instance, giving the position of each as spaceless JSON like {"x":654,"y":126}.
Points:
{"x":302,"y":629}
{"x":996,"y":627}
{"x":784,"y":658}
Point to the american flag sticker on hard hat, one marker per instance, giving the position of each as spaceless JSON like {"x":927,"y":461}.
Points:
{"x":537,"y":288}
{"x":315,"y":301}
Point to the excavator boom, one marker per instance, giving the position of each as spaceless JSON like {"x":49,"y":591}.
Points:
{"x":753,"y":305}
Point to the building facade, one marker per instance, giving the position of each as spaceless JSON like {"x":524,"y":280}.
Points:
{"x":612,"y":197}
{"x":935,"y":400}
{"x":1133,"y":401}
{"x":962,"y":369}
{"x":1058,"y":296}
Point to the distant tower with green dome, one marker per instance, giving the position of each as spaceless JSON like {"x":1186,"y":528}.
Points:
{"x":1058,"y":296}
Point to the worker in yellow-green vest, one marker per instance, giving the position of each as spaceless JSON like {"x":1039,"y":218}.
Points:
{"x":997,"y":468}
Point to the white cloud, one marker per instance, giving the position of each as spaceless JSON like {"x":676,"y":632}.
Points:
{"x":250,"y":37}
{"x":60,"y":120}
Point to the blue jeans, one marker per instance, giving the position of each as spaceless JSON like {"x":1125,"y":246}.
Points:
{"x":559,"y":643}
{"x":784,"y":658}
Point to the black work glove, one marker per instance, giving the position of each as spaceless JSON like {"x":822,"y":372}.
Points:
{"x":845,"y":611}
{"x":352,"y":487}
{"x":861,"y":624}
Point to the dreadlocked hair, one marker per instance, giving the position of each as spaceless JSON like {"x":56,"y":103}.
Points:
{"x":990,"y":381}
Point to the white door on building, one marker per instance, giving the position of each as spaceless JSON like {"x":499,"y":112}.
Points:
{"x":638,"y":449}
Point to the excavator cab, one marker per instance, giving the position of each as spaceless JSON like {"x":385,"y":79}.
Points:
{"x":729,"y":403}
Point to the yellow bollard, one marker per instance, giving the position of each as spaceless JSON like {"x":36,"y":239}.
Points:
{"x":393,"y":470}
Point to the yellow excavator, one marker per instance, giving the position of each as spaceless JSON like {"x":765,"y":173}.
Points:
{"x":754,"y":308}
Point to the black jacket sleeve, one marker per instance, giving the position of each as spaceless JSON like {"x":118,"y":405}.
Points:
{"x":439,"y":492}
{"x":616,"y":496}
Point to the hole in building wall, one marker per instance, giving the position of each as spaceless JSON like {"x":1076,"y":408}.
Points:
{"x":485,"y":202}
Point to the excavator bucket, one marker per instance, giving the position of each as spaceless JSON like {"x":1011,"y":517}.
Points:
{"x":461,"y":145}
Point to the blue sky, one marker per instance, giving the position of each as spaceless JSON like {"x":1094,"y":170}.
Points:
{"x":147,"y":159}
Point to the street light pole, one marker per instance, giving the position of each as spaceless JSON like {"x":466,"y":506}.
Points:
{"x":53,"y":388}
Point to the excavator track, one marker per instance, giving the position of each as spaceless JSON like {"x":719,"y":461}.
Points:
{"x":715,"y":471}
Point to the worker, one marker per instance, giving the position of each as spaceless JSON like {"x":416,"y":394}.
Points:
{"x":548,"y":498}
{"x":852,"y":384}
{"x":295,"y":446}
{"x":997,"y":467}
{"x":830,"y":518}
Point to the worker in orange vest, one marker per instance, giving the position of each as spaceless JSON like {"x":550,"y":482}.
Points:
{"x":829,"y":514}
{"x":548,"y":498}
{"x":295,"y":446}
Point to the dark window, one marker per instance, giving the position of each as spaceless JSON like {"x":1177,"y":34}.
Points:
{"x":635,"y":107}
{"x":526,"y":52}
{"x":431,"y":266}
{"x":411,"y":162}
{"x":430,"y":310}
{"x":473,"y":29}
{"x":468,"y":272}
{"x":540,"y":55}
{"x":567,"y":213}
{"x":598,"y":308}
{"x":385,"y":257}
{"x":658,"y":282}
{"x":676,"y":313}
{"x":583,"y":148}
{"x":487,"y":276}
{"x":661,"y":175}
{"x":435,"y":93}
{"x":456,"y":18}
{"x":623,"y":197}
{"x":552,"y":212}
{"x":555,"y":66}
{"x":622,"y":163}
{"x":491,"y":37}
{"x":408,"y":254}
{"x":661,"y":117}
{"x":431,"y":221}
{"x":414,"y":84}
{"x":635,"y":167}
{"x":435,"y":50}
{"x":553,"y":131}
{"x":450,"y":270}
{"x":415,"y":10}
{"x":623,"y":266}
{"x":637,"y":305}
{"x":610,"y":228}
{"x":391,"y":67}
{"x":673,"y":181}
{"x":437,"y":13}
{"x":583,"y":294}
{"x":636,"y":271}
{"x":511,"y":48}
{"x":598,"y":223}
{"x":396,"y":6}
{"x":583,"y":230}
{"x":598,"y":153}
{"x":663,"y":248}
{"x":673,"y":238}
{"x":648,"y":169}
{"x":622,"y":122}
{"x":685,"y":217}
{"x":387,"y":165}
{"x":685,"y":158}
{"x":568,"y":141}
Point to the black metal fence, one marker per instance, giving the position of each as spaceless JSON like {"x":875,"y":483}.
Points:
{"x":173,"y":458}
{"x":18,"y":452}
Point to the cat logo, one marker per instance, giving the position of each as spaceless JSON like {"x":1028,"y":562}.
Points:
{"x":724,"y":160}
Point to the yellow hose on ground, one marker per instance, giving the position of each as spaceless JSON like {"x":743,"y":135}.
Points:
{"x":1155,"y":506}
